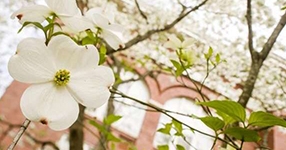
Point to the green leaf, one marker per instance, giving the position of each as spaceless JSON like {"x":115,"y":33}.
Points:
{"x":163,"y":147}
{"x":231,"y":108}
{"x":213,"y":122}
{"x":111,"y":137}
{"x":226,"y":118}
{"x":90,"y":34}
{"x":242,"y":134}
{"x":87,"y":40}
{"x":102,"y":54}
{"x":217,"y":58}
{"x":111,"y":119}
{"x":209,"y":54}
{"x":166,"y":129}
{"x":179,"y":68}
{"x":98,"y":126}
{"x":33,"y":23}
{"x":263,"y":119}
{"x":178,"y":127}
{"x":283,"y":8}
{"x":179,"y":147}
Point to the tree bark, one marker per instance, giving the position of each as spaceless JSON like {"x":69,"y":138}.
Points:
{"x":76,"y":136}
{"x":258,"y":58}
{"x":249,"y":83}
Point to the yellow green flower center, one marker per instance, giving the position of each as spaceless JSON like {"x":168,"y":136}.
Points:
{"x":62,"y":77}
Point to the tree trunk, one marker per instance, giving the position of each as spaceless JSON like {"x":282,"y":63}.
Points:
{"x":76,"y":131}
{"x":250,"y":83}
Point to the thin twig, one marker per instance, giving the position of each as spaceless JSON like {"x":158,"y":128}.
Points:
{"x":143,"y":37}
{"x":115,"y":91}
{"x":140,"y":11}
{"x":19,"y":134}
{"x":250,"y":32}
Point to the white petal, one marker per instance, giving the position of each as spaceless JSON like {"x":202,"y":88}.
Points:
{"x":49,"y":104}
{"x":77,"y":23}
{"x":64,"y":7}
{"x":112,"y":39}
{"x":188,"y":42}
{"x":32,"y":63}
{"x":69,"y":55}
{"x":115,"y":27}
{"x":170,"y":44}
{"x":33,"y":13}
{"x":90,"y":12}
{"x":177,"y":42}
{"x":100,"y":20}
{"x":90,"y":88}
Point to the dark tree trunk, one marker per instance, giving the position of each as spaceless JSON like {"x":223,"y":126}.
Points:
{"x":76,"y":138}
{"x":250,"y":83}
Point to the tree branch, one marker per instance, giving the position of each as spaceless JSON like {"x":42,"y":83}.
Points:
{"x":19,"y":134}
{"x":258,"y":62}
{"x":250,"y":32}
{"x":143,"y":37}
{"x":140,"y":11}
{"x":272,"y":39}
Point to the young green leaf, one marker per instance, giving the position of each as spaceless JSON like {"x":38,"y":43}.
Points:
{"x":217,"y":58}
{"x":263,"y":119}
{"x":111,"y":119}
{"x":102,"y":54}
{"x":226,"y":118}
{"x":179,"y":147}
{"x":163,"y":147}
{"x":242,"y":134}
{"x":231,"y":108}
{"x":166,"y":129}
{"x":213,"y":122}
{"x":178,"y":127}
{"x":179,"y":68}
{"x":98,"y":126}
{"x":33,"y":23}
{"x":112,"y":138}
{"x":209,"y":54}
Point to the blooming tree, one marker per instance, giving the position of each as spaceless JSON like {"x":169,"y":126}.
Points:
{"x":66,"y":68}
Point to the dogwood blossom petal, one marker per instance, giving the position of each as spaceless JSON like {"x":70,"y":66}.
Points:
{"x":100,"y":20}
{"x":90,"y":88}
{"x":63,"y":7}
{"x":33,"y":13}
{"x":69,"y":55}
{"x":77,"y":23}
{"x":188,"y":43}
{"x":112,"y":39}
{"x":32,"y":62}
{"x":49,"y":105}
{"x":173,"y":42}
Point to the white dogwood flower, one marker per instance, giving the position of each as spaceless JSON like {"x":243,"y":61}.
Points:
{"x":62,"y":75}
{"x":109,"y":31}
{"x":66,"y":10}
{"x":183,"y":49}
{"x":176,"y":44}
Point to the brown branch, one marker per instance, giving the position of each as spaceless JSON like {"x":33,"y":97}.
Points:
{"x":140,"y":11}
{"x":19,"y":134}
{"x":143,"y":37}
{"x":258,"y":62}
{"x":250,"y":32}
{"x":272,"y":39}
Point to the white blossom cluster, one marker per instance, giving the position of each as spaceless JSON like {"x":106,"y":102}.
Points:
{"x":224,"y":29}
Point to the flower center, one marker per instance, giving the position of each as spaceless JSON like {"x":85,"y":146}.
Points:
{"x":62,"y":77}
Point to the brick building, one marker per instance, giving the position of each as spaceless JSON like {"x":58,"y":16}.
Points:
{"x":137,"y":125}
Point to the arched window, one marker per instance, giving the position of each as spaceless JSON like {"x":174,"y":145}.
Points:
{"x":193,"y":140}
{"x":132,"y":115}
